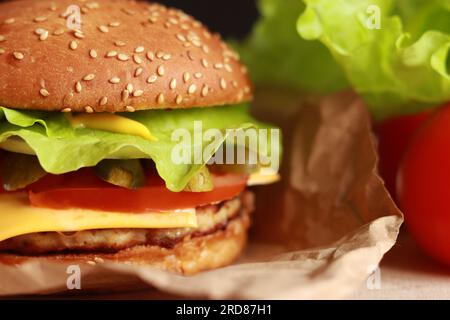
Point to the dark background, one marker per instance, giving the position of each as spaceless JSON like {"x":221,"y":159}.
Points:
{"x":231,"y":18}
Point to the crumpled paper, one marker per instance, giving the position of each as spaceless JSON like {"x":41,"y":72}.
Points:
{"x":317,"y":234}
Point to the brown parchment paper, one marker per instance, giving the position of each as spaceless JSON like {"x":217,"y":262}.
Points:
{"x":317,"y":234}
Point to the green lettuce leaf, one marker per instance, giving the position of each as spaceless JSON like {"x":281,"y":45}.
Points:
{"x":277,"y":56}
{"x":403,"y":66}
{"x":61,"y":149}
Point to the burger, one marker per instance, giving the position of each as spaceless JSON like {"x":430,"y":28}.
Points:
{"x":115,"y":120}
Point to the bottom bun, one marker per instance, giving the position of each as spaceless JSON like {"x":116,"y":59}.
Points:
{"x":188,"y":257}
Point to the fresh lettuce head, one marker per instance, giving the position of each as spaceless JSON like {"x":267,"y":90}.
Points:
{"x":394,"y":53}
{"x":61,"y":148}
{"x":400,"y":67}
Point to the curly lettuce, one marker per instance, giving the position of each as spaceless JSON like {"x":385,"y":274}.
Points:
{"x":61,"y":148}
{"x":400,"y":65}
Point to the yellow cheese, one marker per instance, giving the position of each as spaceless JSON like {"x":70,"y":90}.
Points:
{"x":262,"y":178}
{"x":110,"y":122}
{"x":18,"y":217}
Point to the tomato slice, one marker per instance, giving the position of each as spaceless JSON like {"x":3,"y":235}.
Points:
{"x":82,"y":189}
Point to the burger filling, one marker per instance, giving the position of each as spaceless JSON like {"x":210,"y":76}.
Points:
{"x":105,"y":182}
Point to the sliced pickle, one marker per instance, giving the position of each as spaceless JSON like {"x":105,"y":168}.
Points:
{"x":201,"y":182}
{"x":123,"y":173}
{"x":20,"y":170}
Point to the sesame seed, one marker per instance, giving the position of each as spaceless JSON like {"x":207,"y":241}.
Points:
{"x":125,"y":94}
{"x":196,"y":43}
{"x":173,"y":84}
{"x":137,"y":59}
{"x":93,"y":53}
{"x":186,"y":77}
{"x":187,"y":45}
{"x":73,"y":45}
{"x":198,"y":75}
{"x":66,"y":110}
{"x":103,"y":29}
{"x":88,"y":109}
{"x":39,"y":31}
{"x":152,"y":78}
{"x":244,"y":70}
{"x":123,"y":57}
{"x":192,"y":89}
{"x":172,"y":20}
{"x":205,"y":63}
{"x":40,"y":19}
{"x":167,"y":56}
{"x":114,"y":24}
{"x":234,"y":83}
{"x":78,"y":87}
{"x":160,"y":70}
{"x":99,"y":260}
{"x":218,"y":66}
{"x":78,"y":34}
{"x":160,"y":98}
{"x":130,"y":87}
{"x":120,"y":43}
{"x":205,"y":49}
{"x":2,"y":51}
{"x":130,"y":109}
{"x":159,"y":54}
{"x":84,"y":10}
{"x":228,"y":67}
{"x":247,"y":89}
{"x":43,"y":36}
{"x":167,"y":25}
{"x":223,"y":83}
{"x":114,"y":80}
{"x":150,"y":56}
{"x":178,"y":99}
{"x":44,"y":92}
{"x":111,"y":54}
{"x":9,"y":21}
{"x":18,"y":55}
{"x":181,"y":37}
{"x":92,"y":263}
{"x":103,"y":101}
{"x":155,"y":14}
{"x":52,"y":7}
{"x":138,"y":93}
{"x":58,"y":32}
{"x":138,"y":72}
{"x":205,"y":90}
{"x":139,"y":49}
{"x":89,"y":77}
{"x":184,"y":26}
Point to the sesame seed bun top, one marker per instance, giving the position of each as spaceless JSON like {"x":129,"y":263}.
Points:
{"x":122,"y":55}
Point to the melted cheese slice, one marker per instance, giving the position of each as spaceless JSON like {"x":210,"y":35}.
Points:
{"x":110,"y":122}
{"x":18,"y":217}
{"x":263,"y":177}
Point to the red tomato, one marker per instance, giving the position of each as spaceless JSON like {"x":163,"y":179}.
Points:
{"x":83,"y":189}
{"x":394,"y":136}
{"x":424,"y":185}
